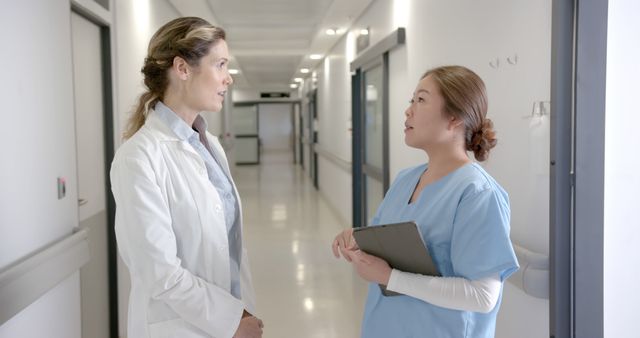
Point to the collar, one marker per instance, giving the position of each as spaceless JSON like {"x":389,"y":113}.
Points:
{"x":177,"y":125}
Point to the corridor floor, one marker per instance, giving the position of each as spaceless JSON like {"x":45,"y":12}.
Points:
{"x":302,"y":291}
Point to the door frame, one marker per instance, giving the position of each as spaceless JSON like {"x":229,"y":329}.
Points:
{"x":257,"y":103}
{"x":576,"y":218}
{"x":382,"y":175}
{"x":101,"y":18}
{"x":373,"y":56}
{"x":312,"y":102}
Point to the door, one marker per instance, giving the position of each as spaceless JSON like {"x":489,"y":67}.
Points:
{"x":370,"y":153}
{"x":313,"y":140}
{"x":275,"y":127}
{"x":245,"y":127}
{"x":373,"y":137}
{"x":92,"y":192}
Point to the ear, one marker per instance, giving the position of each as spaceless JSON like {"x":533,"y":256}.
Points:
{"x":181,"y":68}
{"x":454,"y":123}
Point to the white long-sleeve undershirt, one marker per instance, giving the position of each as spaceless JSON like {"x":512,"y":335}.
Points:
{"x":455,"y":293}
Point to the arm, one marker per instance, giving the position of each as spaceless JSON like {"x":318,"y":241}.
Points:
{"x":455,"y":293}
{"x":148,"y":246}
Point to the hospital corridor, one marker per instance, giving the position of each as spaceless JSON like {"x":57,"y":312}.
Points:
{"x":319,"y":168}
{"x":293,"y":268}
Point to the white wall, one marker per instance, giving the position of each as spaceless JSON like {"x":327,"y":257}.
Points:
{"x":472,"y":34}
{"x":36,"y":90}
{"x":621,"y":180}
{"x":334,"y":108}
{"x":275,"y":126}
{"x":135,"y":23}
{"x":44,"y":318}
{"x":333,"y":104}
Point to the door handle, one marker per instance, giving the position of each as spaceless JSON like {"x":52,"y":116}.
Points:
{"x":82,"y":201}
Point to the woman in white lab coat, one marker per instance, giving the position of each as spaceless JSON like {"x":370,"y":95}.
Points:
{"x":178,"y":216}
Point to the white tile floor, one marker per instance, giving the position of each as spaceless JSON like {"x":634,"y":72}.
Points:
{"x":302,"y":291}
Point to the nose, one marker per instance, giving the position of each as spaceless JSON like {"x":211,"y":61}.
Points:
{"x":407,"y":111}
{"x":229,"y":79}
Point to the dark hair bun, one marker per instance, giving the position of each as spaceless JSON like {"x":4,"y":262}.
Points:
{"x":482,"y":140}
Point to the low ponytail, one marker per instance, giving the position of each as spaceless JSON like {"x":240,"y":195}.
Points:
{"x":481,"y":141}
{"x":146,"y":101}
{"x":465,"y":98}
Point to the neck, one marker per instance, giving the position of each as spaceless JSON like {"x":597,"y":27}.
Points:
{"x":178,"y":106}
{"x":443,"y":160}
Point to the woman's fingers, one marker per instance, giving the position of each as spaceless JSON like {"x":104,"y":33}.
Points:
{"x":334,"y":248}
{"x":342,"y":244}
{"x":345,"y":253}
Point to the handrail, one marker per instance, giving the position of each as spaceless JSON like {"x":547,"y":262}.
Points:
{"x":333,"y":158}
{"x":25,"y":281}
{"x":533,"y":275}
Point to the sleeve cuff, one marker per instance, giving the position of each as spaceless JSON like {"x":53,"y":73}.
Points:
{"x":394,"y":280}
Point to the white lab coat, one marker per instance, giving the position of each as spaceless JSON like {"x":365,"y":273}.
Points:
{"x":171,"y":233}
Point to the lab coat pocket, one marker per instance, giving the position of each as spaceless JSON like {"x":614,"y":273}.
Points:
{"x":174,"y":328}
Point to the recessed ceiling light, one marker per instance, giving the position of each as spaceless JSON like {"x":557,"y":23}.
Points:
{"x":293,"y":85}
{"x":233,"y":71}
{"x":315,"y":56}
{"x":364,"y":32}
{"x":304,"y":70}
{"x":340,"y":31}
{"x":298,"y":79}
{"x":330,"y":31}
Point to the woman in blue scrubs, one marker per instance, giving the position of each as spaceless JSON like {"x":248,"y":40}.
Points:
{"x":462,"y":214}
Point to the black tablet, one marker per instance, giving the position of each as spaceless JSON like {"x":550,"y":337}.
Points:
{"x":400,"y":244}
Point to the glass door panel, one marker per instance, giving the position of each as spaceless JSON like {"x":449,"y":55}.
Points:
{"x":373,"y":128}
{"x":373,"y":140}
{"x":245,"y":128}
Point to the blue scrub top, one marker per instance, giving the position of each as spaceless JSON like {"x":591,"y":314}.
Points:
{"x":463,"y":219}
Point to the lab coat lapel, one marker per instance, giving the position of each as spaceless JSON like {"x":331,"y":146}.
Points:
{"x":206,"y":198}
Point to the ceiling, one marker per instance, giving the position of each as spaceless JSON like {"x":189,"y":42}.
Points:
{"x":271,"y":40}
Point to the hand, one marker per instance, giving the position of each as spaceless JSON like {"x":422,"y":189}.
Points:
{"x":250,"y":327}
{"x":343,"y":243}
{"x":370,"y":268}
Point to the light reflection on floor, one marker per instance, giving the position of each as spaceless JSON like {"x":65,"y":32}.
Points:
{"x":302,"y":291}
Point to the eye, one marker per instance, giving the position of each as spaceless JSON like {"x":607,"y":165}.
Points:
{"x":420,"y":99}
{"x":222,"y":64}
{"x":411,"y":101}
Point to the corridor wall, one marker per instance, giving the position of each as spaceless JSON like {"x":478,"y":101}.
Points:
{"x":621,"y":181}
{"x":36,"y":90}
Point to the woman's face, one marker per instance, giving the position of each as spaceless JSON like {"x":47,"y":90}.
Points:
{"x":426,"y":124}
{"x":210,"y":80}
